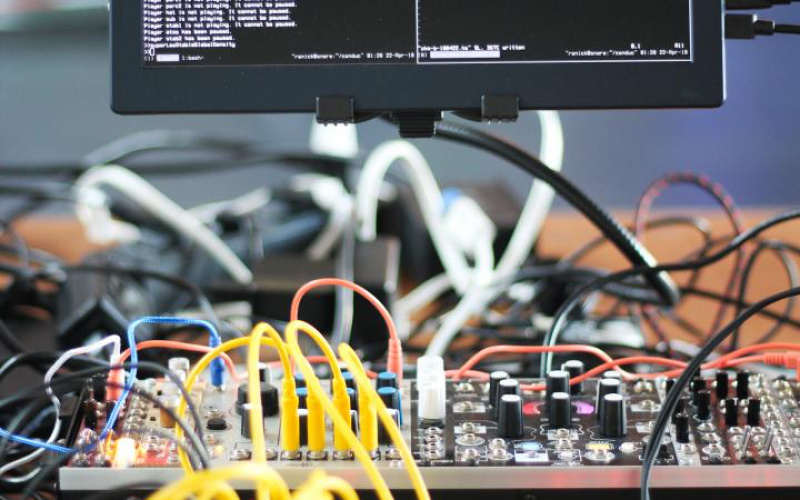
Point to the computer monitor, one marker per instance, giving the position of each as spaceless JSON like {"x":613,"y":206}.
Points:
{"x":372,"y":56}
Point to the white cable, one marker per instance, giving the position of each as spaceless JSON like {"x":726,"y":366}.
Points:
{"x":522,"y":240}
{"x":161,"y":207}
{"x":78,"y":351}
{"x":404,"y":307}
{"x":330,"y":195}
{"x":428,"y":195}
{"x":472,"y":301}
{"x":240,"y":206}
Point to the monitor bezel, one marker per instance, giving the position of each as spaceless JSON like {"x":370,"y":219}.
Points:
{"x":413,"y":88}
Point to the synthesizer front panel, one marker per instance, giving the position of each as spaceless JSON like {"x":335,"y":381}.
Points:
{"x":733,"y":431}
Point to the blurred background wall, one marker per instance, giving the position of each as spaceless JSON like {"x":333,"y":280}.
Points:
{"x":54,"y":106}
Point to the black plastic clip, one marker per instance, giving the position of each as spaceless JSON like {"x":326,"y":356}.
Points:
{"x":332,"y":110}
{"x":499,"y":108}
{"x":416,"y":124}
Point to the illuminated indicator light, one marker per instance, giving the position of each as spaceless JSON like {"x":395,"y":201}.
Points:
{"x":125,"y":454}
{"x":532,"y":408}
{"x":583,"y":408}
{"x":535,"y":408}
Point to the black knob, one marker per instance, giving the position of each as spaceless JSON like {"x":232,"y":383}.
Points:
{"x":264,"y":373}
{"x":731,"y":413}
{"x":216,"y":424}
{"x":509,"y":424}
{"x":754,"y":412}
{"x":383,"y":435}
{"x":605,"y":387}
{"x":560,"y":411}
{"x":349,"y":380}
{"x":90,"y":414}
{"x":269,"y":398}
{"x":302,"y":417}
{"x":575,"y":368}
{"x":494,"y":381}
{"x":742,"y":385}
{"x":353,"y":398}
{"x":99,"y":387}
{"x":391,"y":398}
{"x":702,"y":401}
{"x":557,"y":381}
{"x":387,"y":379}
{"x":682,"y":407}
{"x":302,"y":395}
{"x":682,"y":427}
{"x":722,"y":385}
{"x":698,"y":384}
{"x":505,"y":387}
{"x":613,"y":420}
{"x":668,"y":385}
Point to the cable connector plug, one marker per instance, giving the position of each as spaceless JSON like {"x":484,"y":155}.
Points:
{"x":789,"y":360}
{"x":749,"y":26}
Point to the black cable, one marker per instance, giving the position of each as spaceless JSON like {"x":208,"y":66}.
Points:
{"x":794,"y":281}
{"x":567,"y":307}
{"x":691,"y":370}
{"x":630,"y":247}
{"x":153,"y":169}
{"x":83,"y":374}
{"x":200,"y":298}
{"x":9,"y":340}
{"x":21,"y":416}
{"x":789,"y":29}
{"x":41,"y":361}
{"x":33,"y":485}
{"x":754,"y":4}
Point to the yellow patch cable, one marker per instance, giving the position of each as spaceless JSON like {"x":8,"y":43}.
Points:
{"x":316,"y":433}
{"x":290,"y":431}
{"x":261,"y":474}
{"x":364,"y":385}
{"x":313,"y":385}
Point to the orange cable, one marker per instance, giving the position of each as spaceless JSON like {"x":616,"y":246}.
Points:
{"x":182,"y":346}
{"x":394,"y":361}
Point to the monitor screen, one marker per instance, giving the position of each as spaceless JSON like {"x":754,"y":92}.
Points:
{"x":413,"y":32}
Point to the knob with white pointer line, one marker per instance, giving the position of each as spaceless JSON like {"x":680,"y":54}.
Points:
{"x":560,"y":411}
{"x":494,"y":381}
{"x":604,"y":387}
{"x":575,"y":368}
{"x":509,"y":424}
{"x":507,"y":386}
{"x":613,"y":420}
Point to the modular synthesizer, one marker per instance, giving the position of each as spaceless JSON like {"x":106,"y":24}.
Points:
{"x":732,"y":432}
